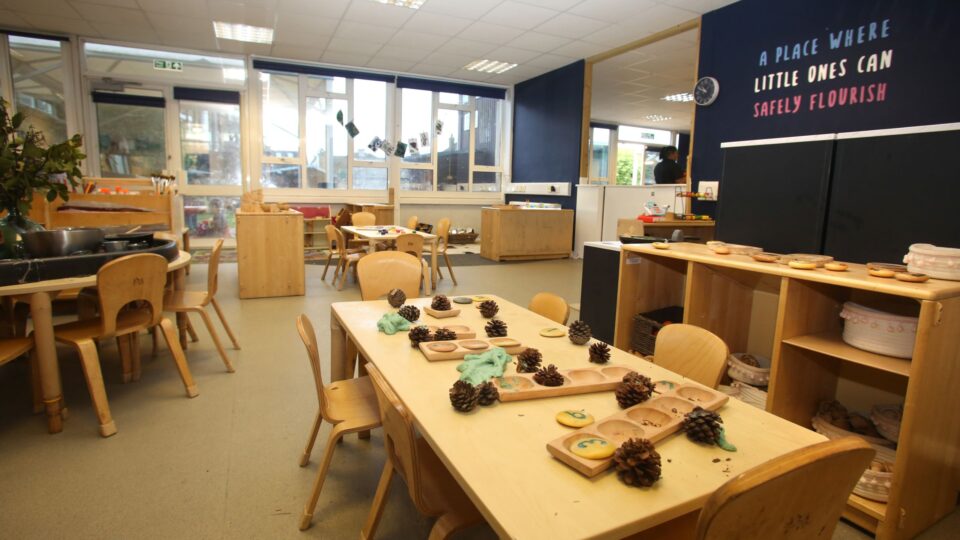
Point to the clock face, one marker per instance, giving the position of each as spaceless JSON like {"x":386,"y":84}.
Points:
{"x":706,"y":91}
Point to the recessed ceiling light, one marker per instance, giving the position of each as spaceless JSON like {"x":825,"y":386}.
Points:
{"x":489,"y":66}
{"x":412,"y":4}
{"x":234,"y":74}
{"x":243,"y":32}
{"x":657,"y":117}
{"x":686,"y":96}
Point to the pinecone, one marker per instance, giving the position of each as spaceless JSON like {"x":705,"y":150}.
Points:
{"x":410,"y":313}
{"x":418,"y":335}
{"x":487,"y":394}
{"x":548,"y":376}
{"x":529,"y":360}
{"x":463,"y":396}
{"x":637,"y":463}
{"x":489,"y":308}
{"x":579,"y":332}
{"x":702,"y":426}
{"x":396,"y":297}
{"x":440,"y":303}
{"x":443,"y":334}
{"x":635,"y":388}
{"x":496,"y":328}
{"x":599,"y":353}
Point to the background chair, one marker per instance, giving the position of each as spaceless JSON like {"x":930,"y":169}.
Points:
{"x":334,"y":244}
{"x":433,"y":490}
{"x":350,"y":405}
{"x":362,"y":219}
{"x":550,"y":306}
{"x":443,"y":234}
{"x":11,"y":349}
{"x":412,"y":222}
{"x":693,"y":352}
{"x":345,"y":258}
{"x":798,"y":495}
{"x":380,"y":272}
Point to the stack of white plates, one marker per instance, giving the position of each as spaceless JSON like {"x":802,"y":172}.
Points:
{"x":743,"y":372}
{"x":731,"y":391}
{"x":875,"y":482}
{"x":751,"y":395}
{"x":936,"y":262}
{"x":878,"y":331}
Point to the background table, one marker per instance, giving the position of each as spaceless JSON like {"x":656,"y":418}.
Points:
{"x":498,"y":454}
{"x":373,"y":235}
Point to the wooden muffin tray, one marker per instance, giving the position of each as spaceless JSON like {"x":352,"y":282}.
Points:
{"x":437,"y":314}
{"x":655,"y":419}
{"x":436,"y":351}
{"x":584,"y":380}
{"x":463,"y":332}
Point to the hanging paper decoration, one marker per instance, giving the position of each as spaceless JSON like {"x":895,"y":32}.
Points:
{"x":352,"y":129}
{"x":375,"y":144}
{"x":439,"y":127}
{"x":388,"y":147}
{"x":424,"y":139}
{"x":412,"y":144}
{"x":340,"y":117}
{"x":401,"y":149}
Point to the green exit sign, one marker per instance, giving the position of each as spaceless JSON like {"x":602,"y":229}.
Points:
{"x":168,"y":65}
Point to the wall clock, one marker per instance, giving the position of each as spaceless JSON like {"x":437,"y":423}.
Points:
{"x":706,"y":91}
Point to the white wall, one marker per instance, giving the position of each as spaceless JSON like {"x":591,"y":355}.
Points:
{"x":461,"y":215}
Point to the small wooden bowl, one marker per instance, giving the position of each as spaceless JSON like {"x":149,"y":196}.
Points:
{"x":766,"y":257}
{"x":911,"y":277}
{"x":881,"y":272}
{"x":802,"y":265}
{"x":721,"y":250}
{"x":661,"y":245}
{"x":442,"y":346}
{"x":475,"y":345}
{"x":835,"y":267}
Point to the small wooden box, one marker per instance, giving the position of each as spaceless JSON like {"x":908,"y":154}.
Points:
{"x":270,"y":254}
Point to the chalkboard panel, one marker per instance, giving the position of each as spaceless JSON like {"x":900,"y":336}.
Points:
{"x":775,"y":196}
{"x":598,"y":291}
{"x":890,"y":192}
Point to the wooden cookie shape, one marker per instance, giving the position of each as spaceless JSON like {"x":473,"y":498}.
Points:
{"x":463,"y":300}
{"x":766,"y":257}
{"x":885,"y":270}
{"x":592,"y":448}
{"x":437,"y":314}
{"x":660,"y":245}
{"x":575,"y":419}
{"x":802,"y":265}
{"x":462,"y":331}
{"x":582,"y":380}
{"x":437,"y":351}
{"x":655,"y":419}
{"x":911,"y":277}
{"x":557,"y":331}
{"x":835,"y":266}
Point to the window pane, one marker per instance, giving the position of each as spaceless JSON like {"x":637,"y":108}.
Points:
{"x":488,"y":133}
{"x":630,"y":164}
{"x":214,"y":217}
{"x":415,"y":123}
{"x":453,"y":151}
{"x":416,"y":179}
{"x":38,"y":85}
{"x":210,"y":143}
{"x":131,"y":140}
{"x":486,"y":181}
{"x":600,"y":155}
{"x":370,"y":117}
{"x":175,"y":67}
{"x":453,"y":99}
{"x":337,"y":85}
{"x":280,"y":175}
{"x":281,"y":115}
{"x":370,"y":178}
{"x":326,"y":144}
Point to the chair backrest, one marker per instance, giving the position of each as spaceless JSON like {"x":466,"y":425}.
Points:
{"x":693,"y":352}
{"x":331,"y":236}
{"x":382,"y":271}
{"x":798,"y":495}
{"x":341,"y":242}
{"x":213,"y":268}
{"x":411,"y":243}
{"x":364,"y":219}
{"x":412,"y":222}
{"x":130,"y":279}
{"x":443,"y":232}
{"x":550,"y":306}
{"x":309,"y":337}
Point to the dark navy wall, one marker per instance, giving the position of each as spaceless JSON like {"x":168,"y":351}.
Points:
{"x":547,"y":116}
{"x":921,"y":84}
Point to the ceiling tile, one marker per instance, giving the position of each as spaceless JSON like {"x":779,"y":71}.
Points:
{"x":424,"y":21}
{"x":661,"y":17}
{"x":62,"y":9}
{"x":240,"y":47}
{"x":571,"y":26}
{"x":473,"y":9}
{"x":369,"y":32}
{"x":249,"y":13}
{"x":519,"y":15}
{"x":353,"y":46}
{"x":390,"y":64}
{"x":369,"y":12}
{"x":616,"y":35}
{"x":580,"y":49}
{"x":303,"y":28}
{"x":442,"y":58}
{"x":345,"y":58}
{"x":184,"y":8}
{"x":127,"y":32}
{"x":99,"y":14}
{"x":535,"y":41}
{"x":698,"y":6}
{"x":417,"y":41}
{"x":490,"y":33}
{"x":172,"y":24}
{"x":14,"y":20}
{"x":189,"y":40}
{"x":514,"y":56}
{"x":295,"y":52}
{"x":561,"y":5}
{"x":315,"y":46}
{"x":62,"y":25}
{"x":550,"y":61}
{"x":476,"y":49}
{"x":131,"y":4}
{"x":326,"y":8}
{"x":613,"y":11}
{"x":432,"y":70}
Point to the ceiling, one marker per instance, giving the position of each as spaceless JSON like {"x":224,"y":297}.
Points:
{"x":436,"y":40}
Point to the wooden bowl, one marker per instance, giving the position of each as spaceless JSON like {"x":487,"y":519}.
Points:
{"x":911,"y":277}
{"x":766,"y":257}
{"x":835,"y":266}
{"x":802,"y":265}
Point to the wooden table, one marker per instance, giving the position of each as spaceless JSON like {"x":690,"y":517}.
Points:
{"x":498,"y":454}
{"x":41,"y":294}
{"x":373,"y":235}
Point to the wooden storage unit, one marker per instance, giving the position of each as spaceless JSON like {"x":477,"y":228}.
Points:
{"x":525,"y":234}
{"x":270,"y":254}
{"x":384,"y":212}
{"x":809,"y":357}
{"x":701,"y":229}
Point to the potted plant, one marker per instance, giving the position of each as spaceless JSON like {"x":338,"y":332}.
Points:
{"x":28,"y":165}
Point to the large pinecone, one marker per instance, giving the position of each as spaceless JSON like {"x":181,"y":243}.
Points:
{"x":489,"y":308}
{"x":529,"y":360}
{"x":579,"y":332}
{"x":410,"y":313}
{"x":635,"y":388}
{"x":396,"y":297}
{"x":464,"y":396}
{"x":440,"y":303}
{"x":496,"y":328}
{"x":443,"y":334}
{"x":637,"y":463}
{"x":418,"y":335}
{"x":599,"y":353}
{"x":702,"y":426}
{"x":487,"y":393}
{"x":548,"y":376}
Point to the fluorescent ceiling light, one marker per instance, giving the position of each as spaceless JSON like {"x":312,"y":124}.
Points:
{"x":243,"y":32}
{"x":234,"y":74}
{"x":684,"y":97}
{"x":412,"y":4}
{"x":657,"y":117}
{"x":489,"y":66}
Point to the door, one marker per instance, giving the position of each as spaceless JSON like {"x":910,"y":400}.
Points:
{"x":131,"y":135}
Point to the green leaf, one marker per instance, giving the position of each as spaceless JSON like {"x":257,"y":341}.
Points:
{"x":51,"y":195}
{"x":16,"y":120}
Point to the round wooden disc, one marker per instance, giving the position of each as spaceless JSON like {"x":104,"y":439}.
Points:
{"x":480,"y":298}
{"x":576,"y":419}
{"x":592,"y":448}
{"x":463,"y":300}
{"x":661,"y":245}
{"x":441,"y":347}
{"x":802,"y":265}
{"x":911,"y":277}
{"x":835,"y":267}
{"x":504,"y":342}
{"x":553,"y":332}
{"x":881,"y":272}
{"x":474,"y":345}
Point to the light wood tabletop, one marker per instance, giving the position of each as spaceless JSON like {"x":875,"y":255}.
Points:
{"x":498,"y":454}
{"x":373,"y":235}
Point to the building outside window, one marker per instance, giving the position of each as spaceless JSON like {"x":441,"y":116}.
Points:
{"x":37,"y":68}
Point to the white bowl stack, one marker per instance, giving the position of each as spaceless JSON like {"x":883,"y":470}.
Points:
{"x":936,"y":262}
{"x":878,"y":331}
{"x":751,"y":395}
{"x":744,"y":372}
{"x":875,"y":482}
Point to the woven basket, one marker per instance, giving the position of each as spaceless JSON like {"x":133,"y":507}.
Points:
{"x":646,"y":326}
{"x":462,"y":238}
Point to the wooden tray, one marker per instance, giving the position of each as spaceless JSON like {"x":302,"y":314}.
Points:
{"x":436,"y":314}
{"x":584,"y":380}
{"x":654,"y":419}
{"x":436,"y":351}
{"x":463,"y":332}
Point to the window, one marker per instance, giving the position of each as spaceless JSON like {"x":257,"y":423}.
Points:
{"x":37,"y":69}
{"x":600,"y":154}
{"x":638,"y":152}
{"x":210,"y":143}
{"x":131,"y":133}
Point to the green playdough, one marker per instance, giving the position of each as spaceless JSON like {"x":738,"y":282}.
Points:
{"x":722,"y":442}
{"x":391,"y":323}
{"x":478,"y":368}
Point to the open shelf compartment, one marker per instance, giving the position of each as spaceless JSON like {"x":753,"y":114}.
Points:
{"x":647,"y":282}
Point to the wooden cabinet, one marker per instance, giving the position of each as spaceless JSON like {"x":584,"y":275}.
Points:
{"x":525,"y":234}
{"x":384,"y":212}
{"x":270,"y":254}
{"x":720,"y":293}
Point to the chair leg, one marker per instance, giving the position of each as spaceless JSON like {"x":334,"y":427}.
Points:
{"x":191,"y":331}
{"x":216,"y":339}
{"x":379,"y":502}
{"x":343,"y":276}
{"x":448,"y":524}
{"x":134,"y":345}
{"x":223,"y":321}
{"x":35,"y":383}
{"x":123,"y":346}
{"x":154,"y":332}
{"x":450,"y":268}
{"x":335,"y":434}
{"x":326,"y":266}
{"x":173,"y":343}
{"x":98,"y":394}
{"x":305,"y":458}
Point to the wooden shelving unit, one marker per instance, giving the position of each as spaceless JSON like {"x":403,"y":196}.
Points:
{"x":809,"y":357}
